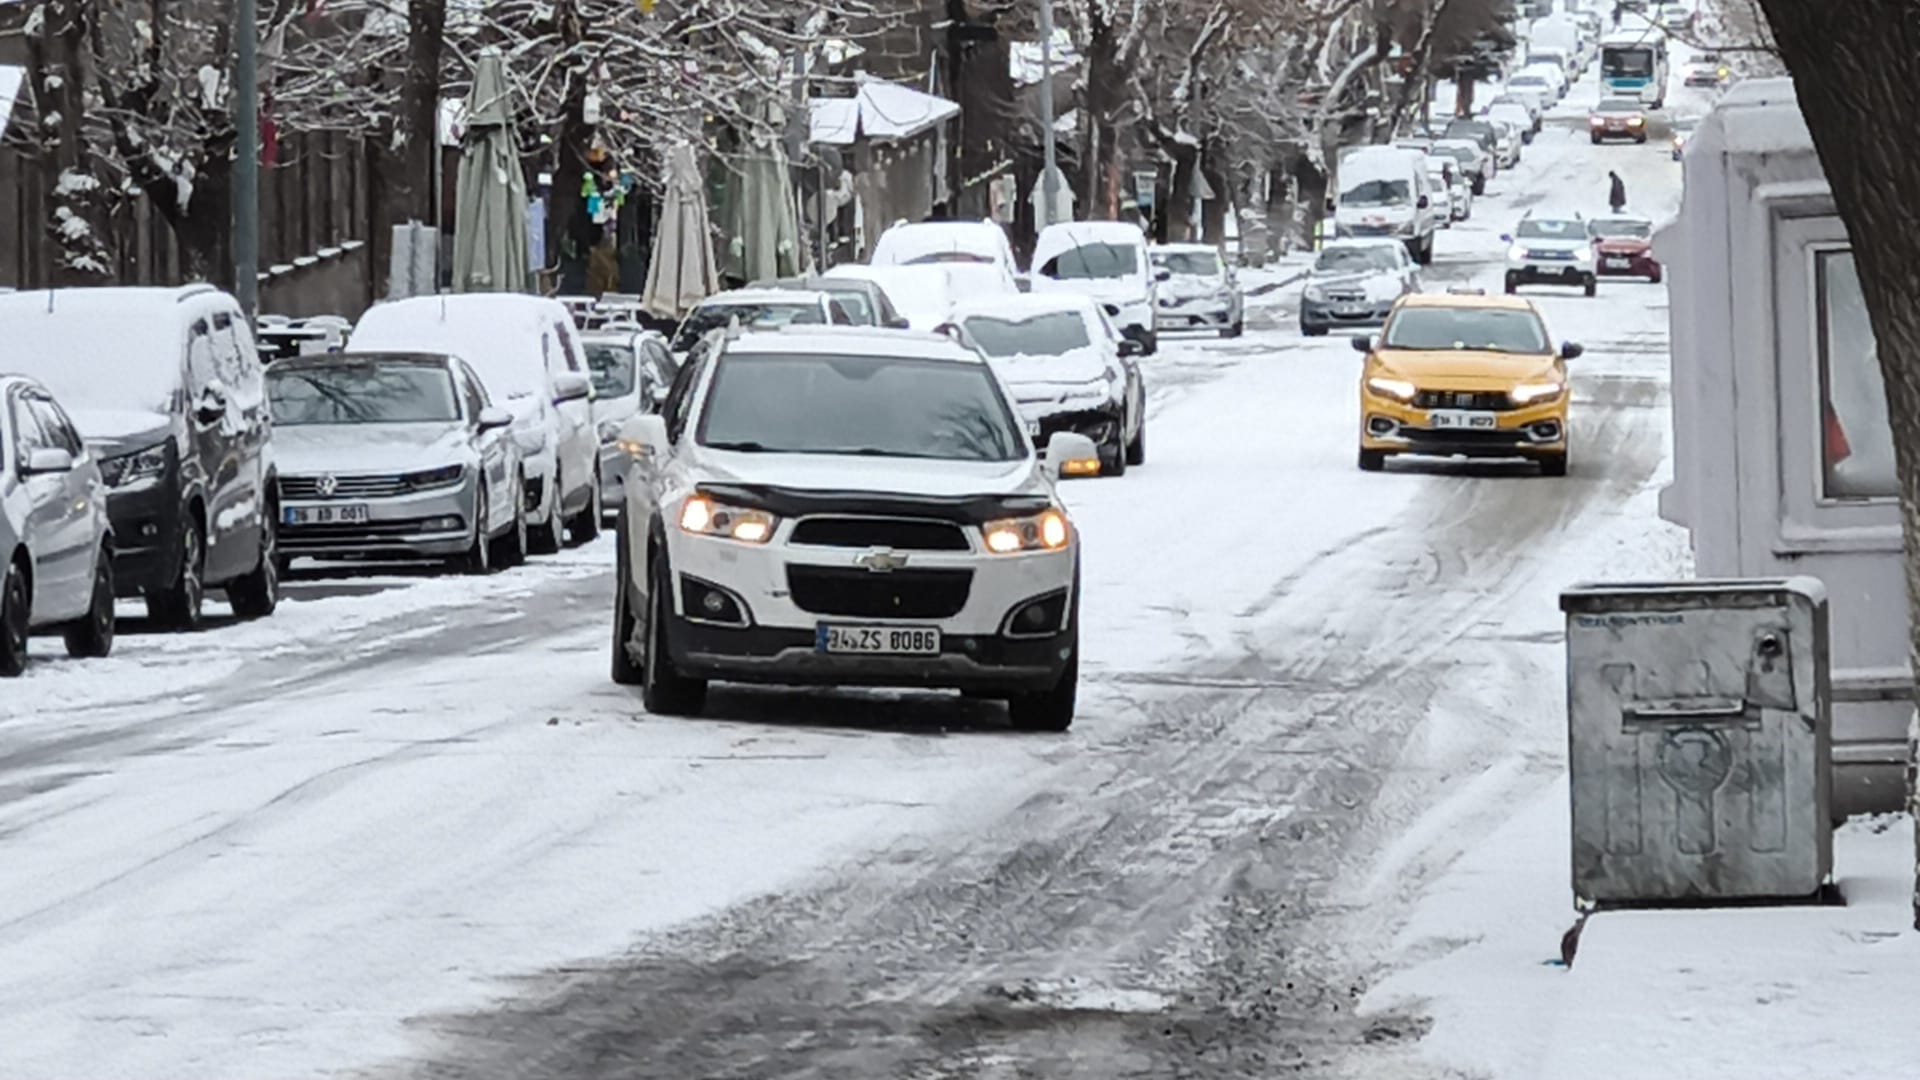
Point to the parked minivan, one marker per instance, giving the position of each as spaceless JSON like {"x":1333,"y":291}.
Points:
{"x":527,"y":352}
{"x":166,"y":388}
{"x":1385,"y":191}
{"x":1108,"y":261}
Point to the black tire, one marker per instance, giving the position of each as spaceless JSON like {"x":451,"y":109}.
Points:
{"x":625,"y":671}
{"x":1312,"y":331}
{"x":545,"y":538}
{"x":1596,"y":140}
{"x":1113,"y":459}
{"x":1553,"y":465}
{"x":663,"y":690}
{"x":478,"y":558}
{"x":91,"y":637}
{"x":181,"y":603}
{"x":585,"y":526}
{"x":510,"y":547}
{"x":1479,"y":185}
{"x":1592,"y":285}
{"x":258,"y":593}
{"x":1513,"y":284}
{"x":16,"y":616}
{"x":1372,"y":460}
{"x":1152,"y":342}
{"x":1642,"y":139}
{"x":1051,"y":709}
{"x":1425,"y":258}
{"x":1137,"y":449}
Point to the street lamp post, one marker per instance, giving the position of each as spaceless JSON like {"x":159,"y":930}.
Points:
{"x":246,"y":161}
{"x":1049,"y":174}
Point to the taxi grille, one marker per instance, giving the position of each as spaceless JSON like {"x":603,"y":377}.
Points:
{"x":1478,"y":400}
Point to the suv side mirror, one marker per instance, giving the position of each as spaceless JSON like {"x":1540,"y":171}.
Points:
{"x":657,"y":393}
{"x":212,"y":404}
{"x":898,"y":323}
{"x":644,"y":436}
{"x":493,"y":418}
{"x":1070,"y":453}
{"x":571,"y":386}
{"x":1422,"y":203}
{"x":1132,"y":347}
{"x":1570,"y":350}
{"x":47,"y":459}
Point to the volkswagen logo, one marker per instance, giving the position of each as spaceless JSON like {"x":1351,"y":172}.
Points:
{"x":881,"y":560}
{"x":327,"y":485}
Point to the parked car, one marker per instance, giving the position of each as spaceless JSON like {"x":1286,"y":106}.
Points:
{"x":865,"y":302}
{"x":1440,"y":189}
{"x":1451,"y":189}
{"x":1487,"y":138}
{"x":167,"y":391}
{"x":1706,"y":69}
{"x":1510,"y":137}
{"x":1384,"y":191}
{"x":1567,"y":61}
{"x":55,"y":534}
{"x":924,"y":293}
{"x":923,"y":243}
{"x":1531,"y":104}
{"x":1538,"y":87}
{"x":281,"y":337}
{"x":1513,"y":111}
{"x":1068,"y":369}
{"x":1201,"y":292}
{"x":1551,"y":250}
{"x":900,"y":530}
{"x":1470,"y":158}
{"x":1108,"y":261}
{"x":1624,"y":244}
{"x":396,"y":456}
{"x":757,"y":307}
{"x":527,"y":353}
{"x":1554,"y":74}
{"x":1617,"y":118}
{"x":631,"y":369}
{"x":1355,"y":283}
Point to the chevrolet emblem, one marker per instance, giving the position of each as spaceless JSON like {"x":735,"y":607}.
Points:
{"x":881,"y":560}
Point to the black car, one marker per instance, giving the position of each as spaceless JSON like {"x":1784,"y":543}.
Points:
{"x":167,"y":389}
{"x":865,"y":301}
{"x":1480,"y":132}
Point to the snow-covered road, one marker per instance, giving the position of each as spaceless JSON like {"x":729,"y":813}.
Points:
{"x":417,"y":830}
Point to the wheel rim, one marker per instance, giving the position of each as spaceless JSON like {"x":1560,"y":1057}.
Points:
{"x":16,"y":612}
{"x":191,"y":589}
{"x":270,"y":559}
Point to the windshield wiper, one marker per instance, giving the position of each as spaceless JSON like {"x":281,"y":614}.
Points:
{"x":745,"y":446}
{"x":874,"y":451}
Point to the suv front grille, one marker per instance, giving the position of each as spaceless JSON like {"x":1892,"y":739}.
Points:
{"x":901,"y":534}
{"x":346,"y":487}
{"x":902,"y":594}
{"x":1481,"y":400}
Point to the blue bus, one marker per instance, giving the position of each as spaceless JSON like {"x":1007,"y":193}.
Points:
{"x":1634,"y":65}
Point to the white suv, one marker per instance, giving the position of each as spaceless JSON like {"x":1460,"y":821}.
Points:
{"x":847,"y":507}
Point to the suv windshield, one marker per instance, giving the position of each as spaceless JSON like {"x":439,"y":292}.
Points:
{"x":1343,"y":260}
{"x":1377,"y":193}
{"x":1494,"y":329}
{"x":373,"y":391}
{"x":611,"y":366}
{"x":716,"y":316}
{"x":1549,"y":229}
{"x":1094,"y":260}
{"x":1189,"y":263}
{"x":1049,"y":334}
{"x":877,"y":406}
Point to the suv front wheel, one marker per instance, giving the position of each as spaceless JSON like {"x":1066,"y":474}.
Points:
{"x":663,"y":690}
{"x":178,"y":605}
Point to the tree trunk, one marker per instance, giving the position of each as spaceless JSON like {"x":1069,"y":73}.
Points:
{"x":1857,"y":70}
{"x":76,"y":215}
{"x":1213,"y":212}
{"x":1179,"y":211}
{"x":204,"y":229}
{"x":569,"y":233}
{"x":402,"y":182}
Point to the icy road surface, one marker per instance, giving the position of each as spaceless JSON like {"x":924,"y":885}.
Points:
{"x":409,"y":828}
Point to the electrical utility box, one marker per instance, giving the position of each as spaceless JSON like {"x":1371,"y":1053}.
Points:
{"x":1699,"y":740}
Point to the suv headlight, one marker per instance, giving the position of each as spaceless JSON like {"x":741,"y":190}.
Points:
{"x":702,"y":516}
{"x":1045,"y":531}
{"x":429,"y":479}
{"x":1518,"y":253}
{"x":142,"y":464}
{"x":1529,"y":393}
{"x":1315,"y":292}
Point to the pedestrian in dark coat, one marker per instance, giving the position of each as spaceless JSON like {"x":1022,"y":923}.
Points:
{"x":1617,"y":194}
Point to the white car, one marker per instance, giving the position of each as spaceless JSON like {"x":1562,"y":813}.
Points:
{"x":1201,"y":292}
{"x":924,"y":243}
{"x":1108,"y":261}
{"x":1552,"y":76}
{"x":1516,"y":115}
{"x":1069,"y":370}
{"x":847,"y":507}
{"x":1452,"y":194}
{"x":54,"y":532}
{"x":924,"y":294}
{"x":1522,"y":105}
{"x":631,"y":370}
{"x":1470,"y":158}
{"x":1510,"y":140}
{"x":756,"y":307}
{"x":1551,"y":250}
{"x":527,"y":353}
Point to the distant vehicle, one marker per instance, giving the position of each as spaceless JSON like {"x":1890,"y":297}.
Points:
{"x":1530,"y":103}
{"x":166,"y":389}
{"x":1068,"y":369}
{"x":1470,"y":157}
{"x":1511,"y":137}
{"x":1454,"y":180}
{"x":898,"y":530}
{"x":866,"y":302}
{"x":758,"y":308}
{"x":1682,"y":131}
{"x":1633,"y":64}
{"x":1464,"y":376}
{"x":55,"y":536}
{"x":1355,"y":283}
{"x":1543,"y":84}
{"x":1108,"y":261}
{"x":1617,"y":118}
{"x":1487,"y":136}
{"x":1566,"y":60}
{"x":1513,"y":112}
{"x":1706,"y":69}
{"x":1440,"y":188}
{"x":1201,"y":292}
{"x":1625,"y":246}
{"x":924,"y":294}
{"x":396,"y":455}
{"x":1385,"y":192}
{"x":1550,"y":250}
{"x":930,"y":242}
{"x":281,"y":337}
{"x":631,"y":370}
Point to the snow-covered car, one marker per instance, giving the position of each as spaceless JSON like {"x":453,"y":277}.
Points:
{"x":865,"y":302}
{"x":1451,"y":189}
{"x":1537,"y":87}
{"x":631,"y":370}
{"x":1355,"y":283}
{"x":1439,"y":174}
{"x":757,"y":307}
{"x":395,"y":456}
{"x":847,"y":507}
{"x":1510,"y":139}
{"x":1550,"y":250}
{"x":1068,"y":370}
{"x":924,"y":243}
{"x":1706,"y":69}
{"x":1108,"y":261}
{"x":1201,"y":292}
{"x":1624,"y":244}
{"x":165,"y":386}
{"x":924,"y":294}
{"x":1514,"y":111}
{"x":1384,"y":191}
{"x":54,"y":532}
{"x":1552,"y":76}
{"x":1567,"y":61}
{"x":1617,"y":118}
{"x":1471,"y":158}
{"x":527,"y":353}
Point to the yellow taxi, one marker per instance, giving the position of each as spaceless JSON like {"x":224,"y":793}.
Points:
{"x":1464,"y":374}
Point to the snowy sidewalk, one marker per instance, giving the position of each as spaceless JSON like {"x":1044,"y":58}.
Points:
{"x":1752,"y":993}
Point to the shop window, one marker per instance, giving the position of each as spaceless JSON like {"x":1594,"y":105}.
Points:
{"x":1856,"y":440}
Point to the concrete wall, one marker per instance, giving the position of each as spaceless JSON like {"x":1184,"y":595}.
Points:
{"x":338,"y":281}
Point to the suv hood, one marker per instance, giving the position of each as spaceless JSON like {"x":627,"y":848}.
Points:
{"x":305,"y":449}
{"x":877,"y":475}
{"x":112,"y":432}
{"x":1471,"y":370}
{"x":1126,"y":290}
{"x":1188,"y":286}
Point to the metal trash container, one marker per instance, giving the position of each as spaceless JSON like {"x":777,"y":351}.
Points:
{"x":1698,"y":740}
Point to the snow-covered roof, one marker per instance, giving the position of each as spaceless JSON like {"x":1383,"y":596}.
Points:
{"x":881,"y":110}
{"x":11,"y":80}
{"x":763,"y":297}
{"x":853,"y":341}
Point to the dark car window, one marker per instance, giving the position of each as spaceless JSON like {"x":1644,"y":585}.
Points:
{"x":712,"y":316}
{"x":472,"y":391}
{"x":612,"y":367}
{"x":1620,"y":229}
{"x":1090,"y":261}
{"x":28,"y":435}
{"x":1496,"y":329}
{"x":680,"y":398}
{"x":375,"y":392}
{"x":54,"y":424}
{"x":871,"y":406}
{"x":1050,"y":334}
{"x":1189,"y":263}
{"x":859,"y":308}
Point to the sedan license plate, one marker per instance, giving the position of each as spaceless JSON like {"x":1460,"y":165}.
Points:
{"x":344,"y":514}
{"x":1618,"y":263}
{"x":1352,"y":310}
{"x":877,"y":640}
{"x":1455,"y":420}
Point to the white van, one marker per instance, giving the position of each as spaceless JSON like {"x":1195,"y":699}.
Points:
{"x":1108,"y":261}
{"x":1385,"y":191}
{"x":526,"y":351}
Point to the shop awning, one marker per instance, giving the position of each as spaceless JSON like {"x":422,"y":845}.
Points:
{"x":881,"y":110}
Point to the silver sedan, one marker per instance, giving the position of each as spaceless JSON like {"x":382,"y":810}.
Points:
{"x":394,"y":455}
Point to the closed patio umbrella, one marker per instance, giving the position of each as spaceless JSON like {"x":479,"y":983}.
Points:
{"x":490,"y":219}
{"x":681,"y":273}
{"x":763,"y":216}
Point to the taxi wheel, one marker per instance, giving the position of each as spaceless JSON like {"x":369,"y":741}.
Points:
{"x":1554,"y":465}
{"x":1372,"y":460}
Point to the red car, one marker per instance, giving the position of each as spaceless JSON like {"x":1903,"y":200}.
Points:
{"x":1623,"y":247}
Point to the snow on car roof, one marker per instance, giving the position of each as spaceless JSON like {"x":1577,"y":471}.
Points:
{"x":912,"y":239}
{"x":1025,"y":304}
{"x":1362,"y":242}
{"x":853,"y":341}
{"x":1197,"y":249}
{"x":787,"y":297}
{"x":1467,"y":300}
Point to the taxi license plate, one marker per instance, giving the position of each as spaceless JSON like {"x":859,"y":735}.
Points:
{"x":843,"y":639}
{"x":344,"y":514}
{"x":1454,"y":420}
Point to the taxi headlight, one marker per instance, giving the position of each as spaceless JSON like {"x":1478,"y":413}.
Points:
{"x":1045,"y":531}
{"x":1397,"y":389}
{"x":1533,"y":393}
{"x":702,"y":516}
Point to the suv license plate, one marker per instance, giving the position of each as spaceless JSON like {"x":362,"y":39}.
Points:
{"x":1451,"y":420}
{"x":345,"y":514}
{"x":876,"y":640}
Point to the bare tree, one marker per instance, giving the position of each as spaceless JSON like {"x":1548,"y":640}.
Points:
{"x":57,"y":36}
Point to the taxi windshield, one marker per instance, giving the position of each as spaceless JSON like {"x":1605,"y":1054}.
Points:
{"x":1507,"y":330}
